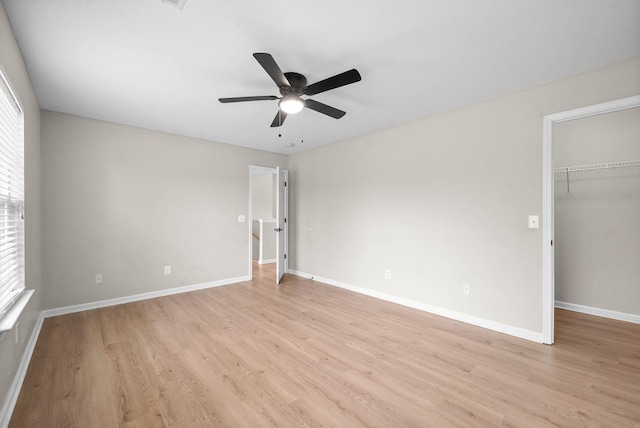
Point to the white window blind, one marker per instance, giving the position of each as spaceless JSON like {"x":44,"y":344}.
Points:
{"x":11,"y":197}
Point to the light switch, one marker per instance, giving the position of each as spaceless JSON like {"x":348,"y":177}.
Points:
{"x":241,"y":218}
{"x":534,"y":223}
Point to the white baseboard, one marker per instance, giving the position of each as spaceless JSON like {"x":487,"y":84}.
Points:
{"x":605,"y":313}
{"x":16,"y":385}
{"x":458,"y":316}
{"x":264,"y":262}
{"x":143,"y":296}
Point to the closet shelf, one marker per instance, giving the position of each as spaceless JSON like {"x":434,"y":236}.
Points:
{"x":597,"y":166}
{"x":558,"y":172}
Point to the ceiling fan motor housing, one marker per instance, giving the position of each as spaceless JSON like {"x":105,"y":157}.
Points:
{"x":297,"y":81}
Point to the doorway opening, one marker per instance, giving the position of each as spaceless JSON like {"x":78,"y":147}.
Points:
{"x":268,"y":226}
{"x":548,"y":194}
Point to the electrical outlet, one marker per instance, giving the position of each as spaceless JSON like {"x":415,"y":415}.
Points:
{"x":98,"y":278}
{"x":387,"y":274}
{"x":167,"y":270}
{"x":466,"y":289}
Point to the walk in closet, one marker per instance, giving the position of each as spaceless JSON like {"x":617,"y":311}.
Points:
{"x":597,"y":214}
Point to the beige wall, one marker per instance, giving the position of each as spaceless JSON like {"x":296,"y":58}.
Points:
{"x":269,"y":241}
{"x":441,"y":202}
{"x":14,"y":69}
{"x":262,"y":193}
{"x":125,"y":202}
{"x":597,"y":222}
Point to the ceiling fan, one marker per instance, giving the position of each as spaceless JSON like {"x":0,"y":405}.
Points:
{"x":294,"y":85}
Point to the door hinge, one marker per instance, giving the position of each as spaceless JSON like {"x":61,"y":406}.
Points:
{"x":552,"y":242}
{"x":285,"y":220}
{"x":285,"y":256}
{"x":285,"y":184}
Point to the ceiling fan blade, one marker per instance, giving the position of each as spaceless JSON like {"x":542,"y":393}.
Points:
{"x":279,"y":119}
{"x":336,"y":81}
{"x":324,"y":109}
{"x":269,"y":64}
{"x":242,"y":99}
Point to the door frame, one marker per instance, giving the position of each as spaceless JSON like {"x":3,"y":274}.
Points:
{"x":548,"y":269}
{"x":282,"y":244}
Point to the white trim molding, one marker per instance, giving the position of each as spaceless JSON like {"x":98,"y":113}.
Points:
{"x":599,"y":312}
{"x":548,"y":270}
{"x":458,"y":316}
{"x":10,"y":318}
{"x":18,"y":379}
{"x":137,"y":297}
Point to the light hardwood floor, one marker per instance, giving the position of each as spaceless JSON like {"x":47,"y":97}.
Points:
{"x":307,"y":354}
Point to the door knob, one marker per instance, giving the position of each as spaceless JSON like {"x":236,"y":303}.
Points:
{"x":278,"y":230}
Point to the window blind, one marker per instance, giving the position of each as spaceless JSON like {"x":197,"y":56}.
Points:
{"x":11,"y":197}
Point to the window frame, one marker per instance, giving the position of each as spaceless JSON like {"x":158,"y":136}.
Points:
{"x":13,"y":293}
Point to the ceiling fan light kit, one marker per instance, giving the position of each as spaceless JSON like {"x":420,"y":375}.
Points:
{"x":291,"y":104}
{"x":294,"y":85}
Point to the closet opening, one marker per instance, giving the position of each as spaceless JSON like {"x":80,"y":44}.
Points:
{"x":591,"y":212}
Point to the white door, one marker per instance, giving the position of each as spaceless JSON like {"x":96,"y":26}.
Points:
{"x":282,"y":231}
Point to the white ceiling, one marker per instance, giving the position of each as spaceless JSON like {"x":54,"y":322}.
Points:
{"x":148,"y":64}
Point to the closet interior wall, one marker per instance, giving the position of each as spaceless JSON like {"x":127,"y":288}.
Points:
{"x":597,"y":212}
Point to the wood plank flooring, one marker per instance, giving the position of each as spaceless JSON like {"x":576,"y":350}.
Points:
{"x":309,"y":355}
